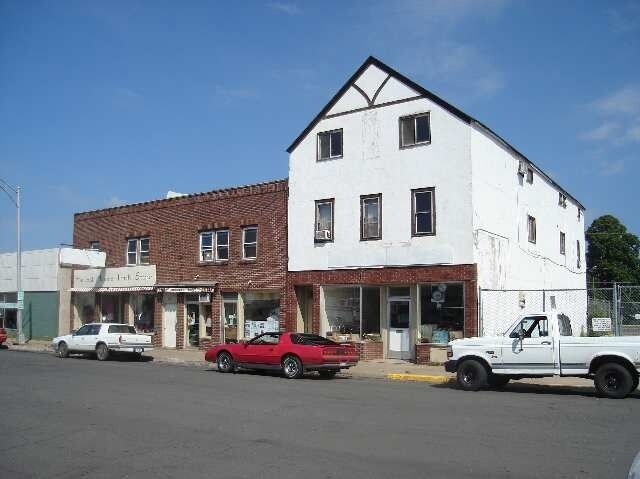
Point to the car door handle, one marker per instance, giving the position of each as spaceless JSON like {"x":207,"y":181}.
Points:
{"x":548,"y":343}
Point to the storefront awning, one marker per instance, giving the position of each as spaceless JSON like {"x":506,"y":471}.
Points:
{"x":113,"y":289}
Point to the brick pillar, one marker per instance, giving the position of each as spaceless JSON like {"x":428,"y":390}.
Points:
{"x":158,"y":311}
{"x":471,"y":309}
{"x":216,"y":320}
{"x":315,"y":309}
{"x":180,"y":318}
{"x":288,"y":308}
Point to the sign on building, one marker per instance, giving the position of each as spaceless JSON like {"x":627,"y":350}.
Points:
{"x":125,"y":277}
{"x":601,"y":324}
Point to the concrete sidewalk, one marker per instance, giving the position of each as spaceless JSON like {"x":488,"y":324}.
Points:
{"x":389,"y":369}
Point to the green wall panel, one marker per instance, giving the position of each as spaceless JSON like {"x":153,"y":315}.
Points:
{"x":40,"y":315}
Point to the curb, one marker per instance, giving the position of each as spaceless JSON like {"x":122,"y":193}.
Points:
{"x":427,"y":378}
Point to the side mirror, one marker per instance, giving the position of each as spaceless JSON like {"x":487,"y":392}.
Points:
{"x":521,"y":334}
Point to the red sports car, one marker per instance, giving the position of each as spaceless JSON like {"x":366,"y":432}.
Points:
{"x":291,"y":353}
{"x":3,"y":335}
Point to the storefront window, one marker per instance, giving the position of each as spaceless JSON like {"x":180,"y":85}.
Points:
{"x":112,"y":308}
{"x":193,"y":321}
{"x":441,"y":312}
{"x":342,"y":308}
{"x":230,"y":317}
{"x":8,"y":317}
{"x":142,"y":307}
{"x":261,"y":314}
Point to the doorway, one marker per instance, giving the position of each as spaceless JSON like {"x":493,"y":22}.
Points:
{"x":304,"y":295}
{"x":169,"y":323}
{"x":399,"y":314}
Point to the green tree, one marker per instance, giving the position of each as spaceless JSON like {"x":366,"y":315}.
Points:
{"x":613,"y":254}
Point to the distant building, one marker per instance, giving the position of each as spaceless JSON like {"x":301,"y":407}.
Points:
{"x":46,"y":281}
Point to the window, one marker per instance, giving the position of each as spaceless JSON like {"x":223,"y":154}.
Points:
{"x":562,"y":243}
{"x":311,"y":339}
{"x":565,"y":325}
{"x":562,"y":199}
{"x":531,"y":228}
{"x":249,"y":242}
{"x":415,"y":130}
{"x":324,"y":221}
{"x":579,"y":213}
{"x":142,"y":306}
{"x":330,"y":145}
{"x":530,"y":175}
{"x":261,"y":313}
{"x":351,"y":313}
{"x":441,"y":312}
{"x":217,"y":241}
{"x":533,"y":327}
{"x":579,"y":259}
{"x":121,"y":329}
{"x":137,"y":251}
{"x":423,"y":217}
{"x":266,"y":339}
{"x":371,"y":217}
{"x":94,"y":245}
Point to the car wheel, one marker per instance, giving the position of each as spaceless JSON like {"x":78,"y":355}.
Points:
{"x":137,"y":356}
{"x":636,"y":380}
{"x":328,"y":373}
{"x":472,"y":375}
{"x":225,"y":362}
{"x":292,"y":367}
{"x":613,"y":380}
{"x":62,"y":350}
{"x":102,"y":352}
{"x":497,"y":381}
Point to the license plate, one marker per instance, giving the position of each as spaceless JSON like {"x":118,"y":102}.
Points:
{"x":138,"y":350}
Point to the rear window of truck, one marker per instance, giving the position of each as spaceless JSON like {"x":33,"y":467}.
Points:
{"x":121,"y":329}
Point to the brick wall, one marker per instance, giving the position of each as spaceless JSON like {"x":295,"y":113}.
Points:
{"x":369,"y":350}
{"x":173,"y":227}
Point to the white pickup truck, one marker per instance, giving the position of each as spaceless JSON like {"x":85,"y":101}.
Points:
{"x":102,"y":339}
{"x":539,"y":345}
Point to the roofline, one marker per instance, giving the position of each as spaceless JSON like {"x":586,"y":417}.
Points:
{"x":186,"y":196}
{"x":434,"y":98}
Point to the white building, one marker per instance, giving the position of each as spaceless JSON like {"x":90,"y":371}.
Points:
{"x":401,"y":206}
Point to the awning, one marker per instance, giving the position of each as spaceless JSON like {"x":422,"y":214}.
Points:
{"x":113,"y":289}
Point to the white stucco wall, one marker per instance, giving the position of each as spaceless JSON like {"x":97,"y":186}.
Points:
{"x":373,"y":163}
{"x":39,"y":270}
{"x":502,"y":200}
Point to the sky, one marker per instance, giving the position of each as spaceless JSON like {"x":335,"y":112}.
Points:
{"x":104,"y":103}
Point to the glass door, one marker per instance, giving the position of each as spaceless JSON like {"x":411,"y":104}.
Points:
{"x":399,"y":320}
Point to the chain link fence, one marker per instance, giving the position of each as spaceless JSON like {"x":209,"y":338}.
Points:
{"x":593,"y":311}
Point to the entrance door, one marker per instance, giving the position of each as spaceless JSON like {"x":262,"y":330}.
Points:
{"x":170,"y":320}
{"x":399,"y":337}
{"x":192,"y":331}
{"x":532,"y":355}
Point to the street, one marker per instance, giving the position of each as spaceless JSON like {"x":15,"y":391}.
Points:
{"x":83,"y":418}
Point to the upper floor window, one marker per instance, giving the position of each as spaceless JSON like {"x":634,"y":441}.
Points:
{"x":214,"y":244}
{"x":137,"y":251}
{"x":579,"y":253}
{"x":415,"y":130}
{"x":562,"y":199}
{"x":529,"y":175}
{"x":563,"y":239}
{"x":250,"y":242}
{"x":579,"y":214}
{"x":423,"y":216}
{"x":330,"y":144}
{"x":531,"y":229}
{"x":324,"y":220}
{"x":94,"y":245}
{"x":371,"y":217}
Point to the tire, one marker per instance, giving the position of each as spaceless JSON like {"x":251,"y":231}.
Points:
{"x":292,"y":367}
{"x":497,"y":381}
{"x":137,"y":356}
{"x":102,"y":352}
{"x":62,"y":351}
{"x":472,"y":375}
{"x":636,"y":380}
{"x":613,"y":380}
{"x":328,"y":373}
{"x":225,"y":362}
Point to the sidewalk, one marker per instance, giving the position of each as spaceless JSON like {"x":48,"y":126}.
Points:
{"x":389,"y":369}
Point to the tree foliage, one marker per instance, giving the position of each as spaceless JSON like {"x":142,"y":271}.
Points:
{"x":613,"y":253}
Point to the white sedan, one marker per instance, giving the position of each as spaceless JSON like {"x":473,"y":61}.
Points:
{"x":102,"y":339}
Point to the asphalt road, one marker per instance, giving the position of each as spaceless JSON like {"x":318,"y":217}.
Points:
{"x":83,"y":418}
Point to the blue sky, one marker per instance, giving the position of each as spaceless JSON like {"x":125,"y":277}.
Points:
{"x":104,"y":103}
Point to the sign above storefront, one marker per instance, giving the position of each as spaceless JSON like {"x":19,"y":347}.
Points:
{"x":125,"y":277}
{"x":186,"y":290}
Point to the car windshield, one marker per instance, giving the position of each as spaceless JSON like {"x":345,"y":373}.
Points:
{"x":312,"y":339}
{"x":122,"y":329}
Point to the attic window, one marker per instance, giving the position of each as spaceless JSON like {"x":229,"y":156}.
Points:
{"x":530,"y":176}
{"x":415,"y":130}
{"x":330,"y":145}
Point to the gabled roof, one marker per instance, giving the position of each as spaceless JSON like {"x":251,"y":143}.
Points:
{"x":462,"y":116}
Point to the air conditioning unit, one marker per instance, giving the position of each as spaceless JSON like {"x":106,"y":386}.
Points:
{"x":522,"y":168}
{"x":204,"y":298}
{"x":323,"y":235}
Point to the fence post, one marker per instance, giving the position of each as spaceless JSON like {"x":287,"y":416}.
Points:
{"x":544,"y":300}
{"x":614,"y":310}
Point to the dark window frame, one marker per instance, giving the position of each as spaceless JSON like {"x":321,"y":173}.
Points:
{"x":413,"y":117}
{"x":432,"y":190}
{"x":363,"y":198}
{"x":532,"y":234}
{"x":331,"y":201}
{"x":563,"y":243}
{"x":94,"y":245}
{"x":579,"y":255}
{"x":328,"y":133}
{"x":529,"y":175}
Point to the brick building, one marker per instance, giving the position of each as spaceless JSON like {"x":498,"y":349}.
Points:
{"x":192,"y":270}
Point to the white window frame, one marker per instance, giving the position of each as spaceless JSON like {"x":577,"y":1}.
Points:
{"x":415,"y":129}
{"x":328,"y":134}
{"x":209,"y":248}
{"x":217,"y":245}
{"x":414,"y":211}
{"x":316,"y":230}
{"x":364,"y":199}
{"x":138,"y":250}
{"x":245,"y":243}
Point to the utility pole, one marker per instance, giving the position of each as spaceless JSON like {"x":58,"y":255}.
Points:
{"x":8,"y":189}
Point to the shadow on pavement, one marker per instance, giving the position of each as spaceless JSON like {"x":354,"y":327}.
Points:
{"x":524,"y":388}
{"x":114,"y":357}
{"x":310,"y":376}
